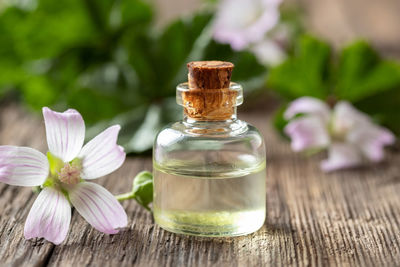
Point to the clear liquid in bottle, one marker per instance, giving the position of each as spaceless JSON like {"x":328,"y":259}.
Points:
{"x":213,"y":204}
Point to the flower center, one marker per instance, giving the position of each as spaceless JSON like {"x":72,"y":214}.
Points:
{"x":70,"y":174}
{"x":339,"y":129}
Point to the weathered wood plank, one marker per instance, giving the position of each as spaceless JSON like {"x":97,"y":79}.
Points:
{"x":344,"y":218}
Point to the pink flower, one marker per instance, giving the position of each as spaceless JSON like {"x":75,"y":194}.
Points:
{"x":63,"y":176}
{"x":240,"y":23}
{"x":349,"y":135}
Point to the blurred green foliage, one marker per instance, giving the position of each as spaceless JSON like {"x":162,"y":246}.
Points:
{"x":106,"y":59}
{"x":357,"y":74}
{"x":305,"y":73}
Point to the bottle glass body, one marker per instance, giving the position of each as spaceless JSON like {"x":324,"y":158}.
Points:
{"x":209,"y":178}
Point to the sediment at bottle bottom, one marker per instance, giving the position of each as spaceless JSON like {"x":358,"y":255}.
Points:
{"x":218,"y":223}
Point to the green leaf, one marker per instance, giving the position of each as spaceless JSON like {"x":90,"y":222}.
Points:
{"x":99,"y":12}
{"x":384,"y":108}
{"x":94,"y":104}
{"x":143,"y":188}
{"x":61,"y":23}
{"x":136,"y":12}
{"x":306,"y":73}
{"x":38,"y":92}
{"x":175,"y":46}
{"x":157,"y":116}
{"x":11,"y":71}
{"x":130,"y":15}
{"x":140,"y":125}
{"x":143,"y":138}
{"x":361,"y":73}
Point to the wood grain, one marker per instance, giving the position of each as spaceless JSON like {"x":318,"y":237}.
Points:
{"x":345,"y":218}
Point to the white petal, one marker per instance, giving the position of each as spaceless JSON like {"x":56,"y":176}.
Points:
{"x":65,"y":133}
{"x":308,"y":105}
{"x":307,"y":132}
{"x":101,"y":155}
{"x":371,"y":140}
{"x":346,"y":118}
{"x":341,"y":155}
{"x":49,"y":216}
{"x":22,"y":166}
{"x":241,"y":23}
{"x":99,"y":207}
{"x":268,"y":52}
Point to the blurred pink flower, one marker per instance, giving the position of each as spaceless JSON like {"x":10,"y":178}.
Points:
{"x":349,"y":135}
{"x":241,"y":23}
{"x":63,"y":177}
{"x":268,"y":52}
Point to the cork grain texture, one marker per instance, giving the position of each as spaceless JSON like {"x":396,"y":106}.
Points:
{"x":209,"y":74}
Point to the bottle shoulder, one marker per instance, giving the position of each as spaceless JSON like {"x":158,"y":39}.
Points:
{"x":177,"y":146}
{"x":214,"y":130}
{"x":233,"y":135}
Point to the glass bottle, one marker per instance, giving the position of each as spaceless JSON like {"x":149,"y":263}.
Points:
{"x":209,"y":168}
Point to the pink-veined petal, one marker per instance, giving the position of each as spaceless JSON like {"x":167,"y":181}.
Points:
{"x":308,"y":105}
{"x":341,"y":155}
{"x":371,"y":140}
{"x":101,"y":155}
{"x":49,"y":216}
{"x":99,"y":207}
{"x":65,"y":133}
{"x":307,"y":132}
{"x":22,"y":166}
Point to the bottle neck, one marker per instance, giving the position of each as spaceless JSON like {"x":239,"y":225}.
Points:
{"x":209,"y":105}
{"x":228,"y":127}
{"x":205,"y":119}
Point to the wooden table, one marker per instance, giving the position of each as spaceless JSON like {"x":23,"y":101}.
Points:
{"x":344,"y":218}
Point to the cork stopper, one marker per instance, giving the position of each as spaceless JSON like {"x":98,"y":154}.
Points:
{"x":209,"y":97}
{"x":209,"y":74}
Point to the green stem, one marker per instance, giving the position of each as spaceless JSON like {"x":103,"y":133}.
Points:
{"x":130,"y":195}
{"x":125,"y":196}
